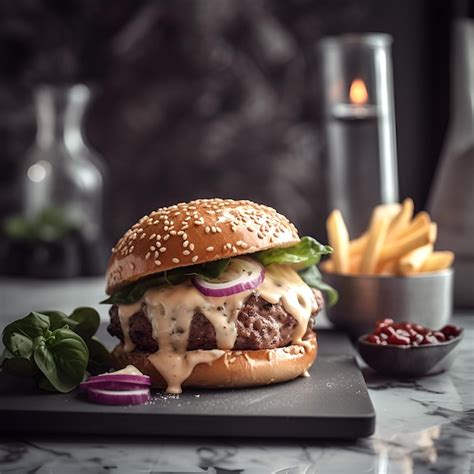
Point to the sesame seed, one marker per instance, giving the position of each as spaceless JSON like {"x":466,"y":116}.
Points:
{"x":175,"y":260}
{"x":157,"y":262}
{"x":185,"y":243}
{"x":250,"y":229}
{"x":210,"y":249}
{"x":162,"y":249}
{"x":165,"y":228}
{"x":166,"y":237}
{"x":207,"y":229}
{"x":219,"y":229}
{"x":234,"y":250}
{"x":194,"y":259}
{"x":191,"y":247}
{"x":131,"y":249}
{"x":158,"y":244}
{"x":229,"y":246}
{"x":172,"y":232}
{"x":156,"y":253}
{"x":185,"y":236}
{"x":152,"y":236}
{"x":213,"y":229}
{"x":186,"y":252}
{"x":156,"y":222}
{"x":158,"y":237}
{"x":147,"y":256}
{"x":142,"y":236}
{"x":180,"y":232}
{"x":152,"y":248}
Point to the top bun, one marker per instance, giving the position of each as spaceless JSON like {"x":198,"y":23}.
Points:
{"x":196,"y":232}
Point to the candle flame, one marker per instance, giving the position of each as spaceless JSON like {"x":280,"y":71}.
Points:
{"x":358,"y":92}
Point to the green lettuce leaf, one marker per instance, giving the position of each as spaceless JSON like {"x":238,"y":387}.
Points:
{"x":303,"y":256}
{"x":312,"y":277}
{"x":305,"y":253}
{"x":133,"y":292}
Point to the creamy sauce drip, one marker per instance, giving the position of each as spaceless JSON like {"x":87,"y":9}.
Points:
{"x":125,"y":312}
{"x":171,"y":309}
{"x":283,"y":285}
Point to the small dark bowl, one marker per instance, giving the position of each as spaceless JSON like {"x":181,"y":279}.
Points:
{"x":409,"y":361}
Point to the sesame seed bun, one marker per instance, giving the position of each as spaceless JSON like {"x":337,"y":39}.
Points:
{"x":234,"y":368}
{"x":196,"y":232}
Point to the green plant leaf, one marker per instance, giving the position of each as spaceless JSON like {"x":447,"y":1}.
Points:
{"x":312,"y":277}
{"x":133,"y":292}
{"x":304,"y":254}
{"x":45,"y":384}
{"x":20,"y":366}
{"x":100,"y":359}
{"x":87,"y":319}
{"x":18,"y":336}
{"x":57,"y":319}
{"x":62,"y":358}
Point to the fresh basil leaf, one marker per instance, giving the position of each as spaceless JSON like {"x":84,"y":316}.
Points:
{"x":304,"y":254}
{"x":312,"y":277}
{"x":45,"y":384}
{"x":133,"y":292}
{"x":20,"y":366}
{"x":87,"y":319}
{"x":18,"y":336}
{"x":100,"y":359}
{"x":62,"y":358}
{"x":6,"y":354}
{"x":57,"y":319}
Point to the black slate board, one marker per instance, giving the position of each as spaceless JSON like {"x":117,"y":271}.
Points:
{"x":332,"y":403}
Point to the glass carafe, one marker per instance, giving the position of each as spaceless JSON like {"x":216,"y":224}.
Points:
{"x":57,"y":232}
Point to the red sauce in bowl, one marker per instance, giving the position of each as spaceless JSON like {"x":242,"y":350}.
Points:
{"x":410,"y":334}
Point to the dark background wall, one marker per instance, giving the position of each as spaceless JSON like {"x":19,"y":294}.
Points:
{"x":215,"y":97}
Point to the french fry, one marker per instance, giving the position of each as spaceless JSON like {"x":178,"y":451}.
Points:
{"x":402,"y":219}
{"x":378,"y":228}
{"x":357,"y":246}
{"x":420,"y":220}
{"x":438,"y":261}
{"x":354,"y":263}
{"x":423,"y":236}
{"x":413,"y":261}
{"x":327,"y":265}
{"x":387,"y":268}
{"x":339,"y":241}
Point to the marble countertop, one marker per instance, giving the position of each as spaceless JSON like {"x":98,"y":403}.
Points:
{"x":423,"y":425}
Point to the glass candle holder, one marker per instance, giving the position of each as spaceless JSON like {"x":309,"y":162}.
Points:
{"x":359,"y":124}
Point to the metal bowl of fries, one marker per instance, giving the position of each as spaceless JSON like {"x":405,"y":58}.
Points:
{"x":363,"y":299}
{"x":390,"y":271}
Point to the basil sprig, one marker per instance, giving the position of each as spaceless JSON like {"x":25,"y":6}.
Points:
{"x":54,"y":348}
{"x":134,"y":291}
{"x":304,"y":256}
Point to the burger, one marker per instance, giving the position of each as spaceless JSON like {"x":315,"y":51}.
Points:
{"x":215,"y":293}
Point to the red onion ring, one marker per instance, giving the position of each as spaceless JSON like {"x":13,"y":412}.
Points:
{"x":120,"y":378}
{"x":112,"y":385}
{"x":253,"y":275}
{"x":111,"y":397}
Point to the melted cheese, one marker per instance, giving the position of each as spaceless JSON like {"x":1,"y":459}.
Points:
{"x":171,"y":309}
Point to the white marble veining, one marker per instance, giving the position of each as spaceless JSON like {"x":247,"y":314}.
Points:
{"x":423,"y":426}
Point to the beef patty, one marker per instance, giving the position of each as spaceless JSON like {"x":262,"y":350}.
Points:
{"x":260,"y":325}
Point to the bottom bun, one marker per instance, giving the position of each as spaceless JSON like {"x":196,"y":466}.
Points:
{"x":234,"y":368}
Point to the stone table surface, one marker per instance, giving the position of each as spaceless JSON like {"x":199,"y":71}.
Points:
{"x":423,"y":426}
